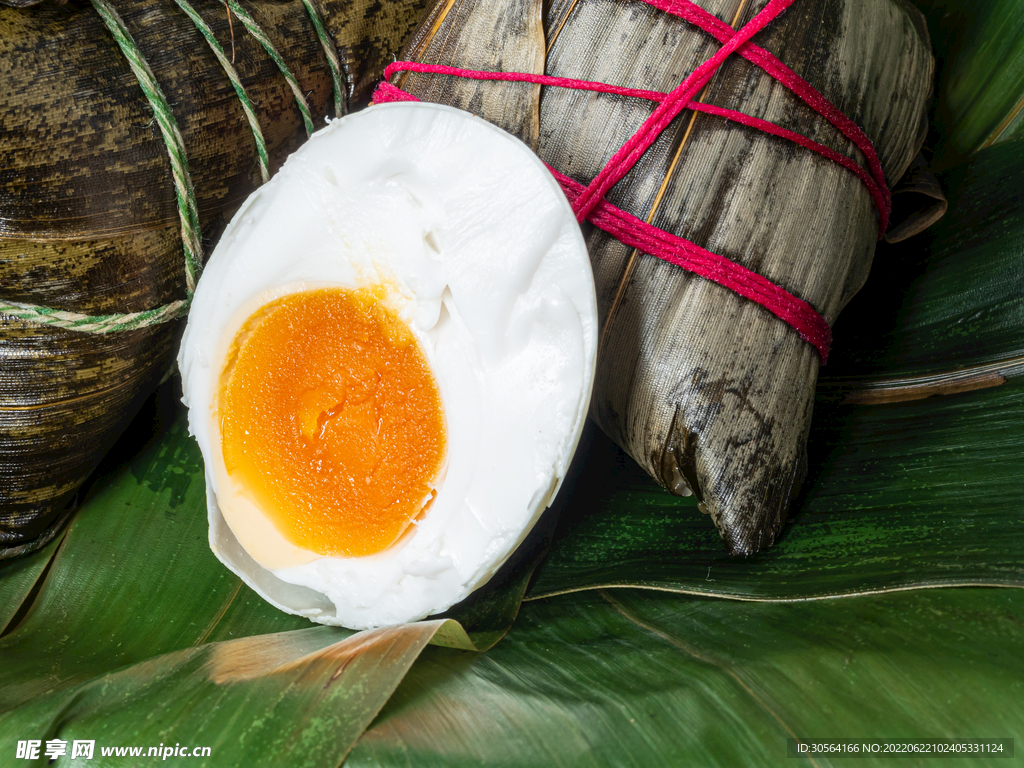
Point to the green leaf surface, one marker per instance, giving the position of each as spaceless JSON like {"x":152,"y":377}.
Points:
{"x":307,"y":693}
{"x":948,"y":304}
{"x":899,"y":495}
{"x":638,"y":678}
{"x":19,"y":577}
{"x":979,"y":96}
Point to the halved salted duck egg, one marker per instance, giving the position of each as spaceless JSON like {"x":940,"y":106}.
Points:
{"x":388,"y":363}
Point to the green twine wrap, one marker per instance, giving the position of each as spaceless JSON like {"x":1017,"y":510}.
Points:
{"x":254,"y":29}
{"x":74,"y":321}
{"x":340,"y":105}
{"x":184,"y":192}
{"x":236,"y":82}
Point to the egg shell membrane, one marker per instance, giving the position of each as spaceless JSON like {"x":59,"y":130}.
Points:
{"x":485,"y":263}
{"x":331,"y":420}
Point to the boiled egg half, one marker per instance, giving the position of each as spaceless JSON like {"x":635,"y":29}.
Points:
{"x":387,"y":363}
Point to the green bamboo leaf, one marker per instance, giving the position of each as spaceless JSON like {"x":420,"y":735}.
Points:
{"x":637,"y":678}
{"x":921,"y":493}
{"x":19,"y":577}
{"x":307,"y":694}
{"x":980,"y":90}
{"x":121,"y":641}
{"x":943,"y":311}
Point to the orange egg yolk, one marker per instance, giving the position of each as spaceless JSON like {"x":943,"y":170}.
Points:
{"x":331,"y":420}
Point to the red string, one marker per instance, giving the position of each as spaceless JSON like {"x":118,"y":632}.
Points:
{"x":879,"y":195}
{"x":630,"y":152}
{"x":689,"y":11}
{"x":520,"y":77}
{"x":636,"y":233}
{"x":589,"y":204}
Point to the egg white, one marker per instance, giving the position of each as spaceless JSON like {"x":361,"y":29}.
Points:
{"x":483,"y":259}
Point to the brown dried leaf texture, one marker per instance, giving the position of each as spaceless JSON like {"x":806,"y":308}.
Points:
{"x":709,"y":392}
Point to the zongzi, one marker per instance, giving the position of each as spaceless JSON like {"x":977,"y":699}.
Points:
{"x":129,"y":134}
{"x":756,"y":141}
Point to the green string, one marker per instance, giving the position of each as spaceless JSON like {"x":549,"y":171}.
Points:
{"x":340,"y":105}
{"x":184,"y":192}
{"x":232,"y":73}
{"x":188,"y":210}
{"x":96,"y":323}
{"x":254,"y":29}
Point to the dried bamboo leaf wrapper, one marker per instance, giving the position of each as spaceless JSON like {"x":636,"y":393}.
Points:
{"x":705,"y":389}
{"x":497,"y":36}
{"x":70,"y":95}
{"x":89,"y":221}
{"x":81,"y":384}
